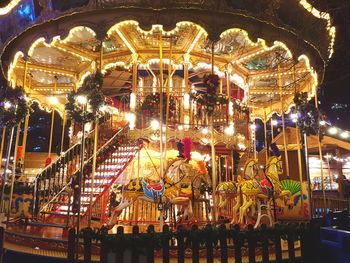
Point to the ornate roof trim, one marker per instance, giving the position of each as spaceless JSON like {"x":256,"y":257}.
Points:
{"x":7,"y":9}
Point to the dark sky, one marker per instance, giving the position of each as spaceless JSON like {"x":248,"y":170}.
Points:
{"x":336,"y":85}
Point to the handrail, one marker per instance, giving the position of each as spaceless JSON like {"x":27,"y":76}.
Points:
{"x":64,"y":153}
{"x":54,"y":198}
{"x":103,"y":146}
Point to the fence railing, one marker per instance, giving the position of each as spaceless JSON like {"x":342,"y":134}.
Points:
{"x":282,"y":243}
{"x":332,"y":204}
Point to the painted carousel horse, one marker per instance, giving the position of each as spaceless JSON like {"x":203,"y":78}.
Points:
{"x":175,"y":188}
{"x":227,"y":191}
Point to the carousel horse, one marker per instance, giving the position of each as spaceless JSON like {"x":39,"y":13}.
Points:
{"x":174,"y":188}
{"x":227,"y":191}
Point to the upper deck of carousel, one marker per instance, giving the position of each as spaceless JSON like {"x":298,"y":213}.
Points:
{"x":263,"y":46}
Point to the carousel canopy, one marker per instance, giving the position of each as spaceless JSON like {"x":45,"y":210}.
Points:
{"x":257,"y":47}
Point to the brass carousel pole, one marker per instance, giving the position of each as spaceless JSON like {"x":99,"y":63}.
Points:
{"x":52,"y":123}
{"x":213,"y":154}
{"x":168,"y":100}
{"x":283,"y":124}
{"x":300,"y":167}
{"x":3,"y":134}
{"x":161,"y":115}
{"x":63,"y":131}
{"x":265,"y":136}
{"x":321,"y":155}
{"x":26,"y":120}
{"x":14,"y":164}
{"x":161,"y":103}
{"x":94,"y":158}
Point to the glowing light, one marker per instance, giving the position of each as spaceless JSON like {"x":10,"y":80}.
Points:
{"x":7,"y":105}
{"x":131,"y":118}
{"x":205,"y":131}
{"x":186,"y":101}
{"x":53,"y":100}
{"x":274,"y":122}
{"x":229,"y":130}
{"x":344,"y":135}
{"x":5,"y":10}
{"x":333,"y":130}
{"x":132,"y":101}
{"x":81,"y":99}
{"x":180,"y":127}
{"x":253,"y":127}
{"x":230,"y":108}
{"x":155,"y":125}
{"x":322,"y":123}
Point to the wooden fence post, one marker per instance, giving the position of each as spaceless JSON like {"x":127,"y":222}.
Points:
{"x":195,"y":244}
{"x":135,"y":250}
{"x":238,"y":239}
{"x":180,"y":245}
{"x":165,"y":243}
{"x":87,"y":235}
{"x":119,"y":257}
{"x":223,"y":243}
{"x":103,"y":250}
{"x":2,"y":233}
{"x":71,"y":246}
{"x":209,"y":243}
{"x":277,"y":241}
{"x":251,"y":243}
{"x":150,"y":246}
{"x":290,"y":240}
{"x":265,"y":244}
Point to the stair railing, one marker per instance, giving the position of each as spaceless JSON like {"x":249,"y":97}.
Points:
{"x":99,"y":204}
{"x":53,"y":178}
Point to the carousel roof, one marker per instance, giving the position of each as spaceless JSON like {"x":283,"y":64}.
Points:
{"x":266,"y":71}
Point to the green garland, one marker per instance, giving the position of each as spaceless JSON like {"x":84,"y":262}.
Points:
{"x":308,"y":116}
{"x":91,"y":89}
{"x":210,"y":98}
{"x":150,"y":106}
{"x":14,"y":106}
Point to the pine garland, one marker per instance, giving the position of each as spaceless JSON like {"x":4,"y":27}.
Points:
{"x":91,"y":89}
{"x":150,"y":106}
{"x":308,"y":116}
{"x":210,"y":98}
{"x":14,"y":106}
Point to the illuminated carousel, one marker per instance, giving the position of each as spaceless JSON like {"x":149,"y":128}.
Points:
{"x":160,"y":103}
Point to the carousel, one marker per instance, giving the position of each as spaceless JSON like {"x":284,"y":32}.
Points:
{"x":160,"y":104}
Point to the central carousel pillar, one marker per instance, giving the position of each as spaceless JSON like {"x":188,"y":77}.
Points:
{"x":186,"y":102}
{"x":213,"y":154}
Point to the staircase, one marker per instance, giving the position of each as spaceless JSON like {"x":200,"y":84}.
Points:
{"x":58,"y":204}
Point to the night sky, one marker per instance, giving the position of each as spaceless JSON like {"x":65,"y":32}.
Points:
{"x":336,"y":85}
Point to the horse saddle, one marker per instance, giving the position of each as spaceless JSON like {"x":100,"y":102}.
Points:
{"x":153,"y":190}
